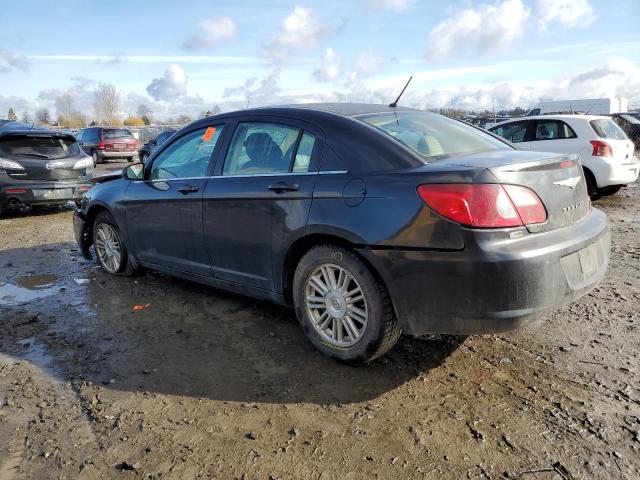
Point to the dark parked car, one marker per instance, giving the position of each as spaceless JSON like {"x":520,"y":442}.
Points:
{"x":630,"y":123}
{"x":149,"y":147}
{"x":40,"y":167}
{"x":108,"y":142}
{"x":369,"y":220}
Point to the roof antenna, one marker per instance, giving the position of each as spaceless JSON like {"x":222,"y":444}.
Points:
{"x":395,"y":104}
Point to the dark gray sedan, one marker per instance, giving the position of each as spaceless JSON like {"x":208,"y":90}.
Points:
{"x":371,"y":221}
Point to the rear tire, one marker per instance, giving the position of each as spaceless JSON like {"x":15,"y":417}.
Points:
{"x":592,"y":186}
{"x":110,"y":247}
{"x":130,"y":159}
{"x":343,"y":308}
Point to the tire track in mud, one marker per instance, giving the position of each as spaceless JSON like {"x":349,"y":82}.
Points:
{"x":9,"y":468}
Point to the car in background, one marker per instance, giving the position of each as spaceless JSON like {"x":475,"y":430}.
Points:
{"x":108,"y":143}
{"x":369,"y":220}
{"x":630,"y":124}
{"x":150,"y":147}
{"x":40,"y":167}
{"x":606,"y":154}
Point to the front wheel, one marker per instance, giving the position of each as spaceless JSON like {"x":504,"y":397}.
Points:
{"x":343,"y":308}
{"x":110,"y":247}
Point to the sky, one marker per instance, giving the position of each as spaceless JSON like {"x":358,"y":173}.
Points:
{"x":185,"y":57}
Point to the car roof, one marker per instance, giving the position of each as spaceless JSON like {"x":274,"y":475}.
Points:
{"x":566,"y":117}
{"x":346,"y":109}
{"x":14,"y":129}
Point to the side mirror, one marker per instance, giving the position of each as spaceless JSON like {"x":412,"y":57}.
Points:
{"x":133,"y":172}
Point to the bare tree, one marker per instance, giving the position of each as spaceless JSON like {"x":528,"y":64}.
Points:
{"x":64,"y":105}
{"x":26,"y":117}
{"x":145,"y":113}
{"x":43,"y":117}
{"x":107,"y":104}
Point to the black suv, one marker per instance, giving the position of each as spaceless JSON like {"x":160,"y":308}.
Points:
{"x":149,"y":147}
{"x":40,"y":167}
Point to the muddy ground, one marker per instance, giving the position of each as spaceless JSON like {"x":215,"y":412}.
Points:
{"x":206,"y":384}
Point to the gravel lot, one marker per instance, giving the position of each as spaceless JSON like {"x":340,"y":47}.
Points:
{"x":207,"y":384}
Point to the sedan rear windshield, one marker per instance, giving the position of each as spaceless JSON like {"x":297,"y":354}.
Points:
{"x":38,"y":147}
{"x":116,"y":133}
{"x":433,"y":136}
{"x":606,"y":128}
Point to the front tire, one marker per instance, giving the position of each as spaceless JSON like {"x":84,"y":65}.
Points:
{"x":110,"y":247}
{"x":343,"y":308}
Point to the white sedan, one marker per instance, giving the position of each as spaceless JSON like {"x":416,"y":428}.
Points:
{"x":605,"y":151}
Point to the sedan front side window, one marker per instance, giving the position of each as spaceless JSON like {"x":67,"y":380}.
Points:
{"x":188,"y":156}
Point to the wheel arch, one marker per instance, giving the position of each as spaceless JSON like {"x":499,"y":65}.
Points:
{"x":303,"y":244}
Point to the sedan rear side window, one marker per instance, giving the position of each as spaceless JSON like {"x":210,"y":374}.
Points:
{"x":553,"y":130}
{"x":39,"y":147}
{"x":187,"y":157}
{"x":432,"y":135}
{"x":259,"y":148}
{"x":606,"y":128}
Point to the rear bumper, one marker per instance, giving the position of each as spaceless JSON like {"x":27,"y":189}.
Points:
{"x":111,"y":154}
{"x":496,"y":283}
{"x":610,"y":172}
{"x":41,"y":193}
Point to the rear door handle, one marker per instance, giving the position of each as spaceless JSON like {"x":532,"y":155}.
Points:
{"x":281,"y":186}
{"x":184,"y":189}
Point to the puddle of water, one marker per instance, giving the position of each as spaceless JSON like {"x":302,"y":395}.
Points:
{"x":35,"y":353}
{"x":28,"y":288}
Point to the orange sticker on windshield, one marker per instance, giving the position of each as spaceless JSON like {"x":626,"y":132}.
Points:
{"x":208,"y":134}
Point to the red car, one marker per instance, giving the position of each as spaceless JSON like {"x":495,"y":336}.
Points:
{"x":108,"y":142}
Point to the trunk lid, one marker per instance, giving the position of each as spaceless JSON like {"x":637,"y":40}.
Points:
{"x":41,"y":156}
{"x":556,"y":179}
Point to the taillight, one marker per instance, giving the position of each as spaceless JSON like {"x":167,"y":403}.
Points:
{"x":484,"y":205}
{"x":101,"y":145}
{"x":601,"y":149}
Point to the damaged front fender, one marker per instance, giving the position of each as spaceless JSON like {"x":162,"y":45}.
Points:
{"x":83,"y":233}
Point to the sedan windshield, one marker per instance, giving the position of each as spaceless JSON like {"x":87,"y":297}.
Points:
{"x":434,"y":136}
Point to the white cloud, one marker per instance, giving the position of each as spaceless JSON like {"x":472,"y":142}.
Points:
{"x":212,"y":31}
{"x":10,"y":62}
{"x":485,"y":29}
{"x":390,"y":4}
{"x":171,"y":85}
{"x":368,"y":63}
{"x":570,"y":13}
{"x":300,"y":31}
{"x":330,"y":69}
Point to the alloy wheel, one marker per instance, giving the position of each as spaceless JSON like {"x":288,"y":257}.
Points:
{"x":336,"y":305}
{"x":108,"y":247}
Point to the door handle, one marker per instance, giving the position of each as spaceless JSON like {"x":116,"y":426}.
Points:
{"x":184,"y":189}
{"x":280,"y":187}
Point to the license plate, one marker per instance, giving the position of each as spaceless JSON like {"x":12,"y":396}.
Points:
{"x":53,"y":194}
{"x":588,"y":260}
{"x":120,"y":146}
